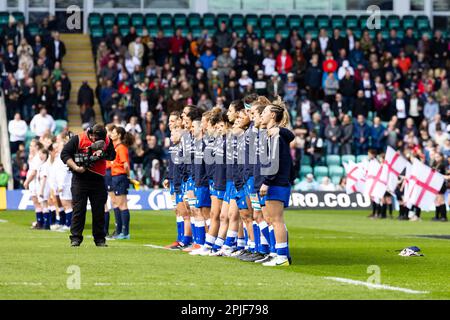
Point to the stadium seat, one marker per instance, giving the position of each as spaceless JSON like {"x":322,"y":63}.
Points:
{"x":393,"y":21}
{"x":337,"y":21}
{"x":408,"y":21}
{"x":153,"y":32}
{"x":284,"y":32}
{"x":309,"y":21}
{"x":179,"y":20}
{"x":151,"y":20}
{"x":169,"y":31}
{"x":304,"y":170}
{"x":109,"y":19}
{"x":323,"y":21}
{"x":280,"y":21}
{"x":400,"y":33}
{"x":139,"y":30}
{"x":251,"y":19}
{"x":333,"y":160}
{"x":336,"y":171}
{"x":208,"y":20}
{"x":124,"y":31}
{"x":294,"y":21}
{"x":237,"y":21}
{"x":314,"y":32}
{"x":97,"y":32}
{"x":361,"y":157}
{"x":194,"y":20}
{"x":4,"y":18}
{"x":363,"y":21}
{"x":19,"y":16}
{"x":428,"y":32}
{"x":108,"y":29}
{"x":197,"y":32}
{"x":351,"y":21}
{"x":94,"y":20}
{"x":320,"y":171}
{"x":240,"y":31}
{"x":265,"y":21}
{"x":347,"y":158}
{"x":137,"y":20}
{"x":60,"y":126}
{"x":306,"y":160}
{"x":357,"y":32}
{"x":123,"y":20}
{"x":385,"y":33}
{"x":383,"y":22}
{"x":268,"y":33}
{"x":165,"y":20}
{"x":372,"y":33}
{"x":257,"y":31}
{"x":223,"y":17}
{"x":422,"y":22}
{"x":336,"y":180}
{"x":33,"y":29}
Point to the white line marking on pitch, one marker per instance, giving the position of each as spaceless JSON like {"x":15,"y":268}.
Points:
{"x":155,"y":246}
{"x":3,"y":221}
{"x":375,"y":286}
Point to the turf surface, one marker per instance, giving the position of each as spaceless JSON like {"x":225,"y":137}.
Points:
{"x":34,"y":264}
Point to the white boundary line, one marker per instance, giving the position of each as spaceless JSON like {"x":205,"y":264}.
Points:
{"x":155,"y":246}
{"x":375,"y":286}
{"x":3,"y":221}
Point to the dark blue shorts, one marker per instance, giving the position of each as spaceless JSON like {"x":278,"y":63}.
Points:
{"x":178,"y":198}
{"x":120,"y":184}
{"x":277,"y":193}
{"x":219,"y":194}
{"x":203,"y":197}
{"x":228,"y":191}
{"x":108,"y":181}
{"x":190,"y":184}
{"x":171,"y":188}
{"x":239,"y":197}
{"x":249,"y":186}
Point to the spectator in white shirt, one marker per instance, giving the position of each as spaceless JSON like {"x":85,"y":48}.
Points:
{"x":17,"y":129}
{"x":269,"y":65}
{"x":326,"y":185}
{"x":133,"y":126}
{"x":400,"y":107}
{"x":309,"y":184}
{"x":42,"y":122}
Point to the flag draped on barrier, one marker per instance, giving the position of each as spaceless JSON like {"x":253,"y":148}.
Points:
{"x":421,"y":183}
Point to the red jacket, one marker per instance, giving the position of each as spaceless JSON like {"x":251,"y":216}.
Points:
{"x":287,"y":65}
{"x":99,"y":167}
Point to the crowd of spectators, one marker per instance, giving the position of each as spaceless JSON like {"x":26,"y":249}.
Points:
{"x":36,"y":88}
{"x":345,"y":95}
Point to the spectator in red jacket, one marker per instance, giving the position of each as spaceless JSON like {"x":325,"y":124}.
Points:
{"x":284,"y":64}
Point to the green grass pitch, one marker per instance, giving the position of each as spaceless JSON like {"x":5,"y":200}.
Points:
{"x":34,"y":264}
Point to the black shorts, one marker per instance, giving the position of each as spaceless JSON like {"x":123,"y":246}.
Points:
{"x":108,"y":181}
{"x":120,"y":184}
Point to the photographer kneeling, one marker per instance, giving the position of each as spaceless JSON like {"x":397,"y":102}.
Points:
{"x":86,"y":154}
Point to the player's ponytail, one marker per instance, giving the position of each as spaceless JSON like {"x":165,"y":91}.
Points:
{"x":282,"y":117}
{"x":126,"y":138}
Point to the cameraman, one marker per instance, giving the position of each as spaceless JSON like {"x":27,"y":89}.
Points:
{"x":88,"y":180}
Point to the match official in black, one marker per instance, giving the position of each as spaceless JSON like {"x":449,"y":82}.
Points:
{"x":86,"y":154}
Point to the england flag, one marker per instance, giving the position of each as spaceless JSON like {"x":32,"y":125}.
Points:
{"x":395,"y":164}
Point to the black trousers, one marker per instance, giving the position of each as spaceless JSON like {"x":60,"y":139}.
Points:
{"x":95,"y":191}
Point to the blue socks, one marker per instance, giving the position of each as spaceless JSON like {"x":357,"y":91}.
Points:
{"x":180,"y":228}
{"x":218,"y":244}
{"x":47,"y":219}
{"x":118,"y":217}
{"x":201,"y":232}
{"x":62,"y":217}
{"x":68,"y":218}
{"x":272,"y":240}
{"x":125,"y":222}
{"x":231,"y":238}
{"x":40,"y":218}
{"x":264,"y":237}
{"x":194,"y":230}
{"x":241,"y":243}
{"x":106,"y":222}
{"x":257,"y":235}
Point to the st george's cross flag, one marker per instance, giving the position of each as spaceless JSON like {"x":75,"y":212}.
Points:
{"x":426,"y":185}
{"x":355,"y":175}
{"x":407,"y":185}
{"x":395,"y":164}
{"x":376,"y":181}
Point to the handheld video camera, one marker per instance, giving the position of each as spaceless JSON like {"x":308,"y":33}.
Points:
{"x":88,"y":158}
